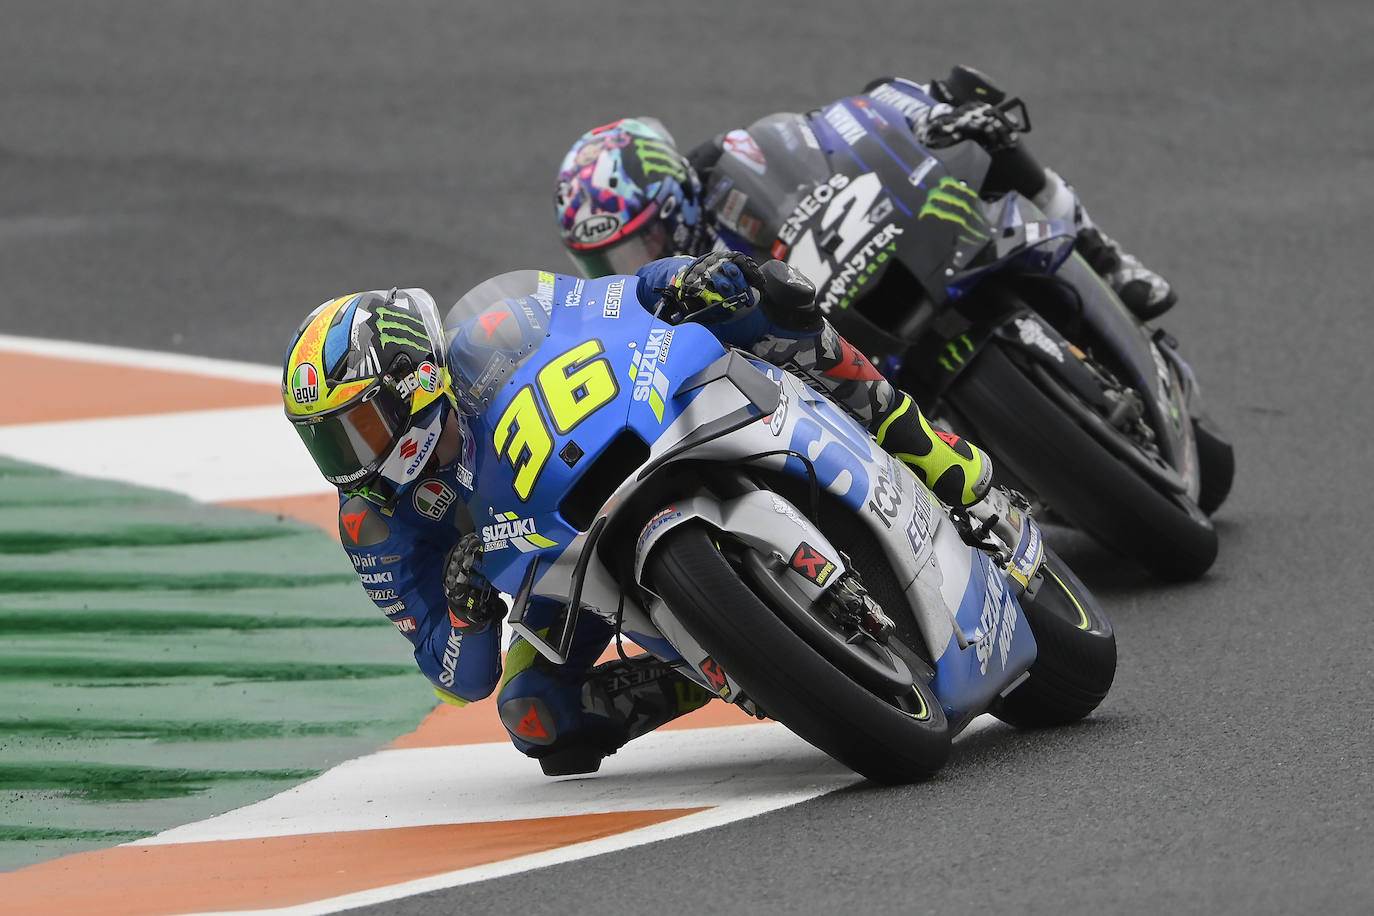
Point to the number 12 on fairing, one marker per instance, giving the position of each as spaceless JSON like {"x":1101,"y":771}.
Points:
{"x":571,"y":387}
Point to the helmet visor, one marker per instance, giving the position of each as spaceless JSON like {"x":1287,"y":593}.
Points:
{"x":627,"y":255}
{"x":351,"y":443}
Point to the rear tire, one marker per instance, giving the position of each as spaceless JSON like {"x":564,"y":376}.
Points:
{"x":789,"y":679}
{"x":1078,"y":476}
{"x":1076,"y":658}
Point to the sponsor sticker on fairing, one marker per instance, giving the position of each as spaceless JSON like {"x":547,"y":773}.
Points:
{"x":809,"y":205}
{"x":715,"y":675}
{"x":1033,"y":335}
{"x":611,"y":307}
{"x":844,"y":122}
{"x":811,"y":564}
{"x":997,"y":623}
{"x":741,"y":145}
{"x":659,"y":519}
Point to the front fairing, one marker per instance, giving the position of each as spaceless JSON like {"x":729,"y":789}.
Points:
{"x":891,"y":200}
{"x":600,"y":370}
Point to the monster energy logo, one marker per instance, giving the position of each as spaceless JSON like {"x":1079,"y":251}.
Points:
{"x":952,"y":201}
{"x":956,"y":350}
{"x":396,"y":326}
{"x":659,"y":158}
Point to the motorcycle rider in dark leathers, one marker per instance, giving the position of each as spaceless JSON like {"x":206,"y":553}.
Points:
{"x":625,"y":195}
{"x":364,"y":385}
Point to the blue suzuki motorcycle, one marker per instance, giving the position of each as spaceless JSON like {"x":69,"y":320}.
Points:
{"x":732,"y":521}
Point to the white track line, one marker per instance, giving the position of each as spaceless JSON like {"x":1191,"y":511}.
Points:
{"x":209,"y":455}
{"x":143,"y":359}
{"x":721,"y":766}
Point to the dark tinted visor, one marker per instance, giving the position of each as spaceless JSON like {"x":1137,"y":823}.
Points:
{"x":351,"y":443}
{"x":627,"y":255}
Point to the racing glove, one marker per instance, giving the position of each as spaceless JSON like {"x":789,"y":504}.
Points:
{"x":472,"y":602}
{"x":713,"y":287}
{"x":977,"y":121}
{"x":718,"y":285}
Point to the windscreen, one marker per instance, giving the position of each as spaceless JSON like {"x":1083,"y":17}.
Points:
{"x":492,"y":330}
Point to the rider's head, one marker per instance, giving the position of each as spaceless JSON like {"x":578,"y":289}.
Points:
{"x":626,"y":196}
{"x":363,"y":384}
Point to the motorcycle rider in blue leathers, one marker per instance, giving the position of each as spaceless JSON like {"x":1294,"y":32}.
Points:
{"x":363,"y":385}
{"x":625,"y":194}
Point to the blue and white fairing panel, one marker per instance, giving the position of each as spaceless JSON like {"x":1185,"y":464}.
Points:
{"x":599,"y":364}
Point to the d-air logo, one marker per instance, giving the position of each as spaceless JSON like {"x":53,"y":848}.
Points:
{"x":305,"y":384}
{"x":952,"y":201}
{"x":811,"y":564}
{"x":432,"y":498}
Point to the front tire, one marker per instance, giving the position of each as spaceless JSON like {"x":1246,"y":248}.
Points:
{"x":1216,"y":465}
{"x":1078,"y":476}
{"x":1076,"y":654}
{"x":886,"y":739}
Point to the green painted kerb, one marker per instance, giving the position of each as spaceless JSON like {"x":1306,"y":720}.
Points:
{"x":162,"y":661}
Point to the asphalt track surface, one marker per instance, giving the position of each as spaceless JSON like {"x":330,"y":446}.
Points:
{"x":194,"y":177}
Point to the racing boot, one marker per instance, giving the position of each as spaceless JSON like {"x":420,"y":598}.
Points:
{"x":955,"y":470}
{"x":1144,"y":292}
{"x":637,"y":695}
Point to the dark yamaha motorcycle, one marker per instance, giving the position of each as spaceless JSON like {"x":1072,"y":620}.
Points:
{"x":983,"y":311}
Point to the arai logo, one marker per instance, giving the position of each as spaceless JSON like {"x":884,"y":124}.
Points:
{"x":596,"y":228}
{"x":305,"y":384}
